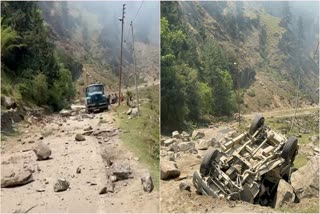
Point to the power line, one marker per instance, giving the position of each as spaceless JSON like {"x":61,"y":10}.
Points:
{"x":137,"y":12}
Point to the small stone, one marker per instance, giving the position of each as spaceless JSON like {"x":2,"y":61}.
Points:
{"x":40,"y":190}
{"x":103,"y":191}
{"x":42,"y":151}
{"x":147,"y":183}
{"x":184,"y":187}
{"x":61,"y":185}
{"x":79,"y":137}
{"x":78,"y":171}
{"x":175,"y":134}
{"x":113,"y":178}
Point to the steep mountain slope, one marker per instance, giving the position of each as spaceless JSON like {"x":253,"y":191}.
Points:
{"x":265,"y":54}
{"x":91,"y":32}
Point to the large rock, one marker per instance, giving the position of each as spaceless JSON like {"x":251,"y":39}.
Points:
{"x":65,"y":113}
{"x":197,"y":134}
{"x":42,"y":151}
{"x":203,"y":144}
{"x":147,"y":183}
{"x":121,"y":173}
{"x":8,"y":102}
{"x":175,"y":134}
{"x":61,"y":185}
{"x":305,"y":180}
{"x":168,"y":142}
{"x":185,"y":146}
{"x":285,"y":194}
{"x":15,"y":177}
{"x":134,"y":112}
{"x":169,"y":170}
{"x":79,"y":137}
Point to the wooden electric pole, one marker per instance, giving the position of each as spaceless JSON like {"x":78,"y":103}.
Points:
{"x":120,"y":70}
{"x":135,"y":70}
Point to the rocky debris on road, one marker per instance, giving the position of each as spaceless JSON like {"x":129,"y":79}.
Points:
{"x":61,"y":185}
{"x":184,"y":187}
{"x":42,"y":151}
{"x":15,"y":177}
{"x":196,"y":134}
{"x":285,"y":194}
{"x":79,"y":137}
{"x":306,"y":188}
{"x":65,"y":113}
{"x":147,"y":183}
{"x":169,"y":170}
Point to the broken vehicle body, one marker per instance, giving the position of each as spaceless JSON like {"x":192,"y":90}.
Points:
{"x":248,"y":167}
{"x":96,"y":98}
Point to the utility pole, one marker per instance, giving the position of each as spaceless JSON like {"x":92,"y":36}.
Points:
{"x":135,"y":70}
{"x":120,"y":70}
{"x":238,"y":93}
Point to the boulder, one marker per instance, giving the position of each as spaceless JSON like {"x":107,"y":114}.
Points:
{"x":305,"y":180}
{"x":147,"y":183}
{"x":285,"y":194}
{"x":121,"y":173}
{"x":168,"y":142}
{"x":176,"y":134}
{"x":61,"y":185}
{"x":16,"y":177}
{"x":184,"y":134}
{"x":65,"y":113}
{"x":197,"y":134}
{"x":169,"y":170}
{"x":8,"y":102}
{"x":129,"y":111}
{"x":79,"y":137}
{"x":314,"y":139}
{"x":42,"y":151}
{"x":203,"y":144}
{"x":134,"y":112}
{"x":185,"y":146}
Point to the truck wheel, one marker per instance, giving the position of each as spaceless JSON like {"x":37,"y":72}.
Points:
{"x":256,"y":123}
{"x":289,"y":149}
{"x":206,"y":161}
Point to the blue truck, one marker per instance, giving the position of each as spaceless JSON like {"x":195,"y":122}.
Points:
{"x":96,"y":100}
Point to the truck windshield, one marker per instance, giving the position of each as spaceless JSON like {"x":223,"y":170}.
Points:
{"x":95,"y":88}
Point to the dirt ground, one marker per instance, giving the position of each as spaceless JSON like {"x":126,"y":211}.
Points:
{"x":90,"y":156}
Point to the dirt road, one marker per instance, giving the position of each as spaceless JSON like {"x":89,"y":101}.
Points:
{"x":92,"y":156}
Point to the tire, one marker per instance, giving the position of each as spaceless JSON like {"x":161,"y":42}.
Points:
{"x":289,"y":149}
{"x":256,"y":123}
{"x":206,"y":161}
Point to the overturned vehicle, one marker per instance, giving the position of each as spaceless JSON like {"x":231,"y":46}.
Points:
{"x":248,"y":167}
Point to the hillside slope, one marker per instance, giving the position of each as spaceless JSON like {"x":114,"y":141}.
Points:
{"x":268,"y":78}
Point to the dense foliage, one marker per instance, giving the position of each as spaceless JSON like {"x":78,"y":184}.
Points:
{"x":30,"y":60}
{"x":196,"y":80}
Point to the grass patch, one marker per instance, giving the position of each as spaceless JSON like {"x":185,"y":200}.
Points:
{"x":300,"y":161}
{"x":141,"y":134}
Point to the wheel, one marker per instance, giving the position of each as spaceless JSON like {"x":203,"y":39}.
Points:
{"x":256,"y":123}
{"x":289,"y":149}
{"x":205,"y":164}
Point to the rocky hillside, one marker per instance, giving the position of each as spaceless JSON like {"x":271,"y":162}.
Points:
{"x":273,"y":44}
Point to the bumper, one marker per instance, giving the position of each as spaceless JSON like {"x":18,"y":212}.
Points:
{"x":97,"y":106}
{"x":202,"y":186}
